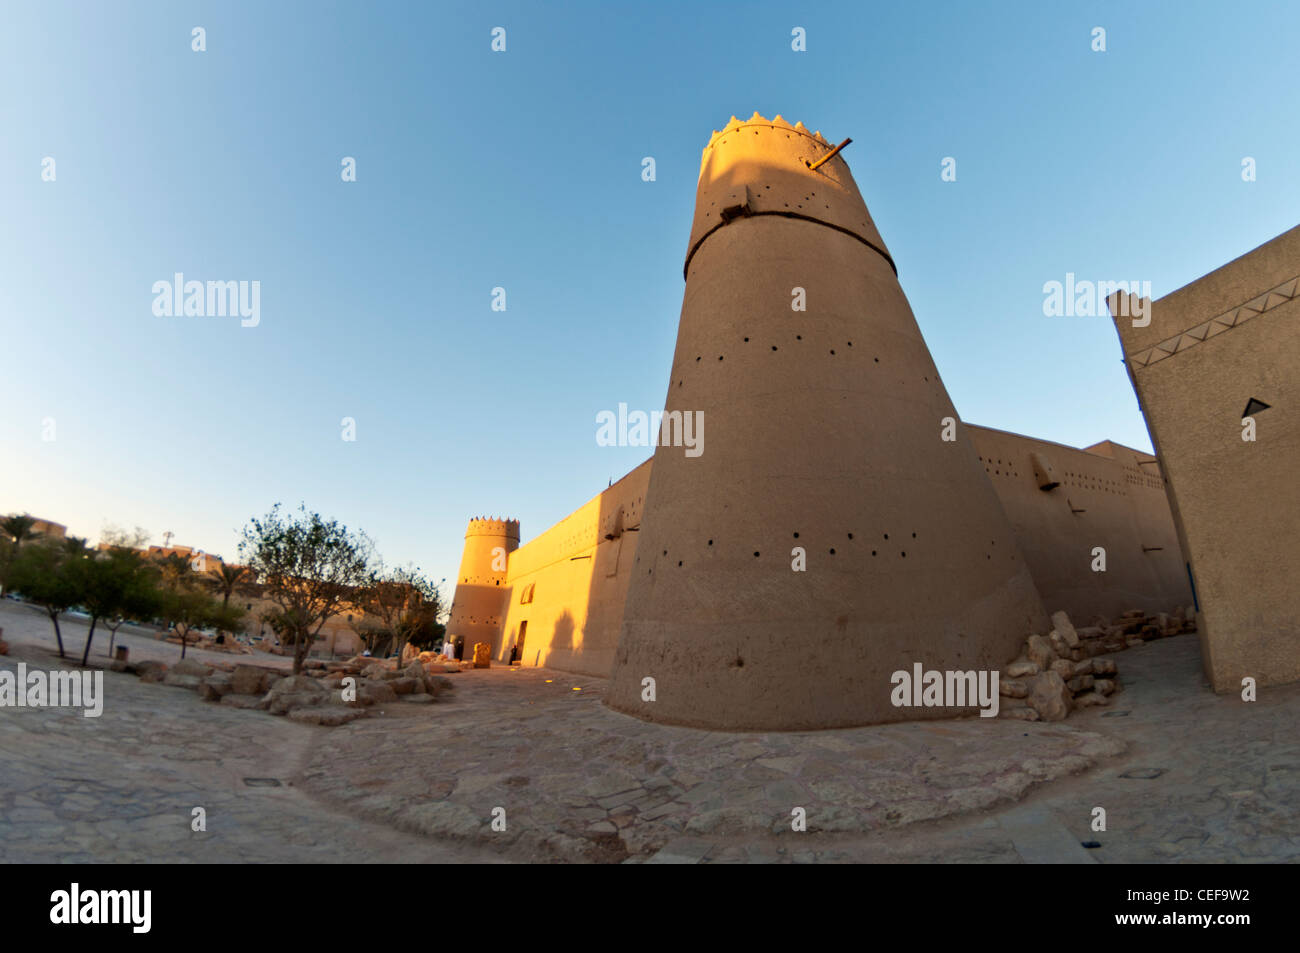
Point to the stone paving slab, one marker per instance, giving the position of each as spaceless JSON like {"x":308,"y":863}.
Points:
{"x":682,"y":850}
{"x":1039,"y":838}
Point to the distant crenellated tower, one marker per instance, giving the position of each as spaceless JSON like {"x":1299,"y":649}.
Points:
{"x":838,"y":525}
{"x":479,"y":605}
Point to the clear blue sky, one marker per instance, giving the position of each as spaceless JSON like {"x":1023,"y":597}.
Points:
{"x":523,"y":170}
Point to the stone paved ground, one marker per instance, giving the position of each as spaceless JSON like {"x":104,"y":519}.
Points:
{"x":577,"y":781}
{"x":121,"y":788}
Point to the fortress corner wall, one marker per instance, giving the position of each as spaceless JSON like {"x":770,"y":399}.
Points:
{"x":1212,"y":352}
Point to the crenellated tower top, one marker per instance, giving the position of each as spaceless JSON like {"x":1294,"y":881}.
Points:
{"x":769,"y":167}
{"x":491,"y":526}
{"x":778,"y":123}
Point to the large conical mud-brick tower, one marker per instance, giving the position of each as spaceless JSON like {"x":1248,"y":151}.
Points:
{"x":481,"y":598}
{"x":823,"y":435}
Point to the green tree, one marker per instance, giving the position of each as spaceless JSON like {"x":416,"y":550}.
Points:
{"x":428,"y":634}
{"x":141,"y":601}
{"x":400,"y":606}
{"x":108,"y":584}
{"x":47,"y":575}
{"x":310,"y":568}
{"x":190,"y":608}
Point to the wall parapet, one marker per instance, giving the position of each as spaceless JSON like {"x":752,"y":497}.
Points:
{"x":485,"y":526}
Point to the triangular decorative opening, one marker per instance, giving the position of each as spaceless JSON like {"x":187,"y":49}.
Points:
{"x":1254,"y":406}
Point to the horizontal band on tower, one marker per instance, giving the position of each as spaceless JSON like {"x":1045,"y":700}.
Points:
{"x":807,"y":218}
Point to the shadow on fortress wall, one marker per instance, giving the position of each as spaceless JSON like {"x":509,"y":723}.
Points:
{"x":561,"y":640}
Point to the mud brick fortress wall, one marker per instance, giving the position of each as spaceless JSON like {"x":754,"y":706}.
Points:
{"x":565,"y":589}
{"x":1223,"y":348}
{"x":1106,"y":496}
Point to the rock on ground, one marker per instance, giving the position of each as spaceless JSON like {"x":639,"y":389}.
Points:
{"x":181,"y":680}
{"x":1061,"y":623}
{"x":187,"y":666}
{"x":1049,"y":696}
{"x":1039,"y":651}
{"x":1020,"y":668}
{"x":150,"y":670}
{"x":249,"y":680}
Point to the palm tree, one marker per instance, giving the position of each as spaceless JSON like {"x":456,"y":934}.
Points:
{"x":226,"y":580}
{"x":175,"y":570}
{"x":19,"y":529}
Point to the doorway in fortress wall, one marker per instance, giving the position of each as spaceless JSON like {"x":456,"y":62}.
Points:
{"x":518,"y":652}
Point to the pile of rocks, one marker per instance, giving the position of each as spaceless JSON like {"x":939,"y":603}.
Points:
{"x":1061,"y":671}
{"x":229,"y":644}
{"x":1135,"y":627}
{"x":318,"y":696}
